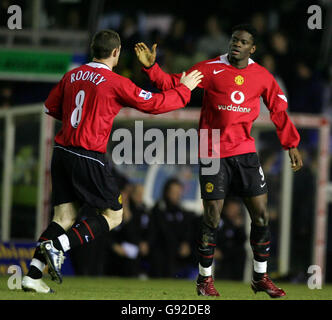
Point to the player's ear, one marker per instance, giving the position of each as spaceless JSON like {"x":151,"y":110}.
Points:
{"x":253,"y":49}
{"x":116,"y":52}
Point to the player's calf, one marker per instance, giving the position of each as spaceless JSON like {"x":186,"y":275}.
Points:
{"x":81,"y":233}
{"x":206,"y":246}
{"x":260,"y":244}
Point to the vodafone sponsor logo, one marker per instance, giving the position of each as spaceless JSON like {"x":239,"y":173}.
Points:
{"x":237,"y":97}
{"x":234,"y":108}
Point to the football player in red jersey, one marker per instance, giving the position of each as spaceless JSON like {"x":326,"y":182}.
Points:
{"x":233,"y":84}
{"x":86,"y":101}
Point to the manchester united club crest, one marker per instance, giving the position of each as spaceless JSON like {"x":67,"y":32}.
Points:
{"x":209,"y":187}
{"x":239,"y":80}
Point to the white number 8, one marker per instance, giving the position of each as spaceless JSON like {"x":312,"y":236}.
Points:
{"x":76,"y":115}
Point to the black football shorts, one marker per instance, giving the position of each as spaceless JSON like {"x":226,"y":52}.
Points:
{"x":240,"y":176}
{"x":83,"y":176}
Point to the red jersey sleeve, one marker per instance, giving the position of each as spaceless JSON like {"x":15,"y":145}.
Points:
{"x":276,"y":101}
{"x":165,"y":81}
{"x":53,"y":103}
{"x":155,"y":103}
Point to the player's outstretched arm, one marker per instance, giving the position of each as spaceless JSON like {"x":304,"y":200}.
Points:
{"x":276,"y":102}
{"x":296,"y":159}
{"x":157,"y":103}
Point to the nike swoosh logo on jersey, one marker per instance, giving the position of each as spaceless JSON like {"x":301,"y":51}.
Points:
{"x":218,"y":71}
{"x":262,"y":185}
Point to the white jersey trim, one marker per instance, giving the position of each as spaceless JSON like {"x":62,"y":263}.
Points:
{"x":223,"y":59}
{"x":80,"y":155}
{"x":98,"y":65}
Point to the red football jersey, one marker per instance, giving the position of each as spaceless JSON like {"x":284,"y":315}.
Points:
{"x":88,"y":98}
{"x":231,"y":103}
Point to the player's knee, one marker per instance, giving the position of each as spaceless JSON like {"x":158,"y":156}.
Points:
{"x":113,"y":218}
{"x":64,"y":222}
{"x":65,"y":215}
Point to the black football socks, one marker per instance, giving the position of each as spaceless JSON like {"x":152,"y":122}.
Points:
{"x":260,"y":244}
{"x":83,"y":232}
{"x":206,"y":246}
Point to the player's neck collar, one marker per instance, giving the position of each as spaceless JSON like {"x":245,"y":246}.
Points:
{"x":224,"y":59}
{"x":95,"y":64}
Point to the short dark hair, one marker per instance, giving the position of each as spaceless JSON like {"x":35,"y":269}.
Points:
{"x":246,"y":27}
{"x":168,"y":185}
{"x":103,"y":43}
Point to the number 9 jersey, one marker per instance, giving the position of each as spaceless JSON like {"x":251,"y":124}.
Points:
{"x":231,"y":104}
{"x":88,"y":98}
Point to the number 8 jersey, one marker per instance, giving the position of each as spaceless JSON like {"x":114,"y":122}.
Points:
{"x":88,"y":98}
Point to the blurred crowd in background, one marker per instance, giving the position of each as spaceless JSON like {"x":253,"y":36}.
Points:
{"x":160,"y":241}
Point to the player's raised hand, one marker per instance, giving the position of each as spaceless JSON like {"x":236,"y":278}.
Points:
{"x":192,"y":79}
{"x":296,"y":159}
{"x":146,"y":56}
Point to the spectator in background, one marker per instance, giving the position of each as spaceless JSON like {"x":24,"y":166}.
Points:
{"x":284,"y":57}
{"x":141,"y":218}
{"x":269,"y":63}
{"x":213,"y":41}
{"x":129,"y":32}
{"x":178,"y":40}
{"x":258,"y":21}
{"x":170,"y":233}
{"x":308,"y":90}
{"x":128,"y":241}
{"x":156,"y":36}
{"x":230,"y":252}
{"x":180,"y":46}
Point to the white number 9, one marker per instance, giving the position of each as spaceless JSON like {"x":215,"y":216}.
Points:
{"x":76,"y":115}
{"x":261,"y":173}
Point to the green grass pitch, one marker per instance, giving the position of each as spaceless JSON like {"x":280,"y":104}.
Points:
{"x":89,"y":288}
